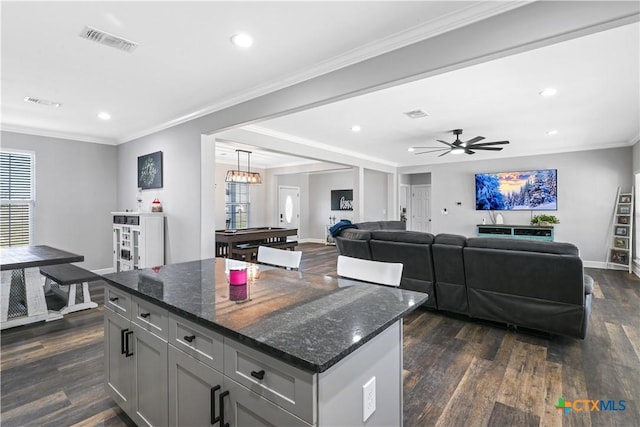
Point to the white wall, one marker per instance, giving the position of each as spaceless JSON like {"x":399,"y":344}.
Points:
{"x":180,"y":195}
{"x":320,"y":186}
{"x":375,"y":195}
{"x":587,"y":184}
{"x":76,"y":185}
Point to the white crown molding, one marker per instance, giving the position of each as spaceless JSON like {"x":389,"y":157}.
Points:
{"x":56,"y":134}
{"x":460,"y":18}
{"x":315,"y":144}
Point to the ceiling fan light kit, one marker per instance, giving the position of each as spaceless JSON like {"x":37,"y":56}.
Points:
{"x":459,"y":147}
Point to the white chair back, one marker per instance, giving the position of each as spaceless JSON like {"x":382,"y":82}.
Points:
{"x":279,"y":257}
{"x":383,"y":273}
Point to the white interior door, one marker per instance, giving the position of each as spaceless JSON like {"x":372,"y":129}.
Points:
{"x":421,"y":208}
{"x":289,"y":207}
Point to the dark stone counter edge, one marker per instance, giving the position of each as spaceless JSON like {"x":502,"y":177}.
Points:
{"x":272,"y":351}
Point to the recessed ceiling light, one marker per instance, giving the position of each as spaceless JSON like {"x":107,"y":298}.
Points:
{"x":242,"y":40}
{"x":356,"y":128}
{"x":548,"y":91}
{"x":552,"y":132}
{"x":411,"y":149}
{"x":104,"y":116}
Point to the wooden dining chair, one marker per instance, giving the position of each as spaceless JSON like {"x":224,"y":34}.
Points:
{"x":383,"y":273}
{"x":279,"y":257}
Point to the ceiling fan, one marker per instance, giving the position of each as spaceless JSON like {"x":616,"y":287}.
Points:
{"x":459,"y":147}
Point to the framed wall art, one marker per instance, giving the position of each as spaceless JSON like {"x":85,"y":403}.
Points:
{"x":625,"y":198}
{"x":624,"y":210}
{"x":621,"y":243}
{"x":623,"y":219}
{"x":150,"y":171}
{"x":341,"y":200}
{"x":619,"y":257}
{"x":621,"y":231}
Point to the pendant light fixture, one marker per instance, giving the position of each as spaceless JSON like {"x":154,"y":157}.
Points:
{"x":240,"y":176}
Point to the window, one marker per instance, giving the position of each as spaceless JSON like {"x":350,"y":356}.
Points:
{"x":237,"y":205}
{"x":18,"y":198}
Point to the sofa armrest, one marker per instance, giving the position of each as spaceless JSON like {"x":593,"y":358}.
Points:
{"x":588,"y":284}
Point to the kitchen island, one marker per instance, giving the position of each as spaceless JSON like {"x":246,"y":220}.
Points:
{"x":299,"y":351}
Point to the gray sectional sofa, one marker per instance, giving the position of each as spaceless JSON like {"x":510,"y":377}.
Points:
{"x":525,"y":283}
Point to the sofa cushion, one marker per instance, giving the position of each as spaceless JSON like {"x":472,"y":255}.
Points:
{"x":403,"y":236}
{"x":450,"y":239}
{"x":355,"y":234}
{"x":557,"y":248}
{"x":382,"y":225}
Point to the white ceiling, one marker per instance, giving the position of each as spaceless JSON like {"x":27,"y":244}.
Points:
{"x":597,"y":105}
{"x":186,"y":67}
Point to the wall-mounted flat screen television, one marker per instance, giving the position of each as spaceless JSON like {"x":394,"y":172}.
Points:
{"x":535,"y":190}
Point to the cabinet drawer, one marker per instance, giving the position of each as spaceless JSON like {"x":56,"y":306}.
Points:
{"x":117,"y":300}
{"x":197,"y":341}
{"x":245,"y":408}
{"x":290,"y":388}
{"x":150,"y":317}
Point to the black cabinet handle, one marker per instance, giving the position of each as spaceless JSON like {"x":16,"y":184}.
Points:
{"x":145,"y":315}
{"x":123,"y":339}
{"x":214,"y":419}
{"x":189,"y":338}
{"x":221,"y":404}
{"x":114,"y":299}
{"x":128,"y":353}
{"x":258,"y":374}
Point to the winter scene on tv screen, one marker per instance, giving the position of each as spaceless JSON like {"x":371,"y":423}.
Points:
{"x":528,"y":190}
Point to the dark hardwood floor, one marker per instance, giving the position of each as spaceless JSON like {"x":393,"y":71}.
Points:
{"x":457,"y":372}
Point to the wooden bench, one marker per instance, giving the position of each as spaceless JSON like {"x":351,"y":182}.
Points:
{"x":68,"y":276}
{"x":249,"y":252}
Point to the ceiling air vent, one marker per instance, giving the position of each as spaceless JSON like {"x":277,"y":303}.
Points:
{"x":107,"y":39}
{"x":416,"y":114}
{"x":42,"y":101}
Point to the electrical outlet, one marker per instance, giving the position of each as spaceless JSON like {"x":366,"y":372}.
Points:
{"x":368,"y":399}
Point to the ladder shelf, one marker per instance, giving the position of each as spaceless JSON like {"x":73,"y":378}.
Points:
{"x":621,"y":241}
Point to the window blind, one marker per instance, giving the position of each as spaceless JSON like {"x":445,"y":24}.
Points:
{"x":17,"y":198}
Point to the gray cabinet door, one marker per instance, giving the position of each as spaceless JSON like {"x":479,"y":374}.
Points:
{"x":117,"y":369}
{"x":149,"y":375}
{"x":194,"y":391}
{"x":242,"y":407}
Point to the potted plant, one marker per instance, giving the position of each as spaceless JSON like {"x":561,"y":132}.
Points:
{"x":544,"y":220}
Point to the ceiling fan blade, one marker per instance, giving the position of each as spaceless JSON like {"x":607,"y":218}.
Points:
{"x":467,"y":151}
{"x":486,"y":144}
{"x":446,"y":152}
{"x":445,"y":142}
{"x":423,"y":148}
{"x":432,"y":151}
{"x":488,"y":148}
{"x":474,"y":140}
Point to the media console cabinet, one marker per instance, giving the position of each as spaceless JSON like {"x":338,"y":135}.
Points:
{"x":532,"y":232}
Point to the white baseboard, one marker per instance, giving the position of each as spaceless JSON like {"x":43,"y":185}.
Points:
{"x":310,"y":240}
{"x":595,"y":264}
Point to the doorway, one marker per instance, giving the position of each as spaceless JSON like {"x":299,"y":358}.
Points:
{"x":405,"y":207}
{"x":421,"y":208}
{"x":289,"y":208}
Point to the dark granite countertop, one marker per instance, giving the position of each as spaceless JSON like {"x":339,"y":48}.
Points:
{"x":307,"y":320}
{"x":35,"y":256}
